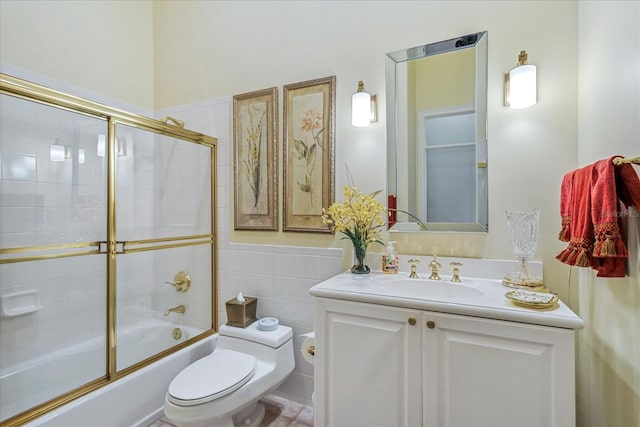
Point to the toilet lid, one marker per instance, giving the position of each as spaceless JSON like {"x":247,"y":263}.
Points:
{"x":212,"y":377}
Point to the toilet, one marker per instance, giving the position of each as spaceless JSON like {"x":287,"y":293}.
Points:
{"x":223,"y":388}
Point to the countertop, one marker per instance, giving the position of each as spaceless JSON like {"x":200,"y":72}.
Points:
{"x":476,"y":297}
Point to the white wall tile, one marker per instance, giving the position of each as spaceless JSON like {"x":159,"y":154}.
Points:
{"x":18,"y":193}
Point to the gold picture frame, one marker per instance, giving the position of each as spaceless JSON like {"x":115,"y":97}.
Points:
{"x":309,"y":153}
{"x":255,"y":160}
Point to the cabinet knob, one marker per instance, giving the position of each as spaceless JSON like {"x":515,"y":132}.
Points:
{"x":412,"y":321}
{"x":431,"y":324}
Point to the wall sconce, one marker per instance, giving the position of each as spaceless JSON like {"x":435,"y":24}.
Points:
{"x":121,"y":146}
{"x":520,"y":87}
{"x":363,"y":107}
{"x":102,"y":145}
{"x":59,"y":152}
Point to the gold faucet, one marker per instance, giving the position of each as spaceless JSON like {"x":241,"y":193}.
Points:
{"x":435,"y":266}
{"x":178,"y":309}
{"x":413,"y":262}
{"x":456,"y":271}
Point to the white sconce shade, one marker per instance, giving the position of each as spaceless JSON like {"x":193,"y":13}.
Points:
{"x":101,"y":145}
{"x":80,"y":156}
{"x":56,"y":153}
{"x":121,"y":146}
{"x":521,"y":84}
{"x":362,"y":107}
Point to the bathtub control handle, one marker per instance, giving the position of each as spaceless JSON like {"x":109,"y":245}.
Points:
{"x":178,"y":309}
{"x":181,"y":281}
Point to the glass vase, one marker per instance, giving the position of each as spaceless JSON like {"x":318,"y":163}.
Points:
{"x":360,"y":260}
{"x":522,"y":226}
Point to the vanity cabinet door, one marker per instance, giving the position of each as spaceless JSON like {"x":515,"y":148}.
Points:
{"x":368,"y":365}
{"x":482,"y":372}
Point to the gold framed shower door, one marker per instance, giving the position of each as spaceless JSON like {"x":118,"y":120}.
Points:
{"x":111,"y":247}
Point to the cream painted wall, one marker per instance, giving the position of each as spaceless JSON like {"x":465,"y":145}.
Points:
{"x":443,"y":81}
{"x":608,"y":124}
{"x":102,"y":46}
{"x":235,"y":47}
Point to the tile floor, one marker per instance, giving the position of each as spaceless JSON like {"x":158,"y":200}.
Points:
{"x":280,"y":412}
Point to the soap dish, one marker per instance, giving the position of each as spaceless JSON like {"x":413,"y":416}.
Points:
{"x":535,"y":300}
{"x":19,"y":303}
{"x":268,"y":324}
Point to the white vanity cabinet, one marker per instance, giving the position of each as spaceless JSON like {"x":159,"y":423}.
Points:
{"x":483,"y":372}
{"x":369,"y":371}
{"x":392,"y":361}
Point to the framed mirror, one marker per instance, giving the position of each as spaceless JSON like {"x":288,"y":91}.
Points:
{"x":437,"y":136}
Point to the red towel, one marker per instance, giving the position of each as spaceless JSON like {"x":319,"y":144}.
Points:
{"x":590,"y":212}
{"x":605,"y":212}
{"x":577,"y":218}
{"x":628,"y":185}
{"x":565,"y":206}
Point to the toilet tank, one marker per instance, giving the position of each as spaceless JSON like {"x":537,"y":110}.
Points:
{"x":274,"y":339}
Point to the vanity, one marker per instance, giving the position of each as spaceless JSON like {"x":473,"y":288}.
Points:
{"x":398,"y":351}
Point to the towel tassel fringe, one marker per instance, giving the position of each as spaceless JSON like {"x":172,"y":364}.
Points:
{"x":582,"y":259}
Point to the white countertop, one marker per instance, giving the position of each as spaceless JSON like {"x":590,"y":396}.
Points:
{"x":472,"y":297}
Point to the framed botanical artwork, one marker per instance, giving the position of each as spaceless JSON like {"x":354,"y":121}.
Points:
{"x":255,"y":161}
{"x":309,"y":140}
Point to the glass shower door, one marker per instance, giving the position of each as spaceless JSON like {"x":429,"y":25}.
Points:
{"x":164,"y":221}
{"x":52,"y":274}
{"x":98,"y":207}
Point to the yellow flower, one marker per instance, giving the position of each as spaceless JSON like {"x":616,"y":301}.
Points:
{"x":359,"y":217}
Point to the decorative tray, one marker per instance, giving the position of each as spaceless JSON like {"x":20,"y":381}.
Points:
{"x":535,"y":300}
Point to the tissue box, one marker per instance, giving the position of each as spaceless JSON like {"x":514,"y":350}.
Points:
{"x":241,"y":314}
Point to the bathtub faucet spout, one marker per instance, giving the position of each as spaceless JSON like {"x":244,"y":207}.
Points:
{"x":178,"y":309}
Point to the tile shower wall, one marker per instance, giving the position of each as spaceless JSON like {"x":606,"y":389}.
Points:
{"x":280,"y":276}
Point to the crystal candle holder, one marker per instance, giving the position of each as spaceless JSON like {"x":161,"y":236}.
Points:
{"x":523,"y":235}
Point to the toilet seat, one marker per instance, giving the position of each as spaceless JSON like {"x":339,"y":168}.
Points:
{"x":212,"y":377}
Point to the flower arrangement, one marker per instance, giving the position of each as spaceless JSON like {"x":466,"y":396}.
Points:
{"x":360,"y":218}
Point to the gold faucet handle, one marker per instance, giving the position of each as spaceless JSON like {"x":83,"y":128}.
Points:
{"x":181,"y":281}
{"x":456,"y":271}
{"x":413,"y":262}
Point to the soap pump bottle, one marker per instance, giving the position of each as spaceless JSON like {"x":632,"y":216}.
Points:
{"x":390,"y":261}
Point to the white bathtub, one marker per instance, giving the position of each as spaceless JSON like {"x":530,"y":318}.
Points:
{"x":135,"y":400}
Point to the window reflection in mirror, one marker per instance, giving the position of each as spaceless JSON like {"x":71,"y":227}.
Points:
{"x":436,"y":136}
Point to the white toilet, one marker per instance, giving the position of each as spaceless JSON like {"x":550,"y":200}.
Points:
{"x":223,"y":389}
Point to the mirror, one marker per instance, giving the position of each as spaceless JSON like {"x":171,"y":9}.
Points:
{"x":437,"y":136}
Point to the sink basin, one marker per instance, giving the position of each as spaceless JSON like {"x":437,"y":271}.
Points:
{"x":427,"y":289}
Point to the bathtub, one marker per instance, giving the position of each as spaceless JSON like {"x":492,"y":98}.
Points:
{"x":134,"y":400}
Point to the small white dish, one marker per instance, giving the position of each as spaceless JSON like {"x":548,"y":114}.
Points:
{"x":268,"y":324}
